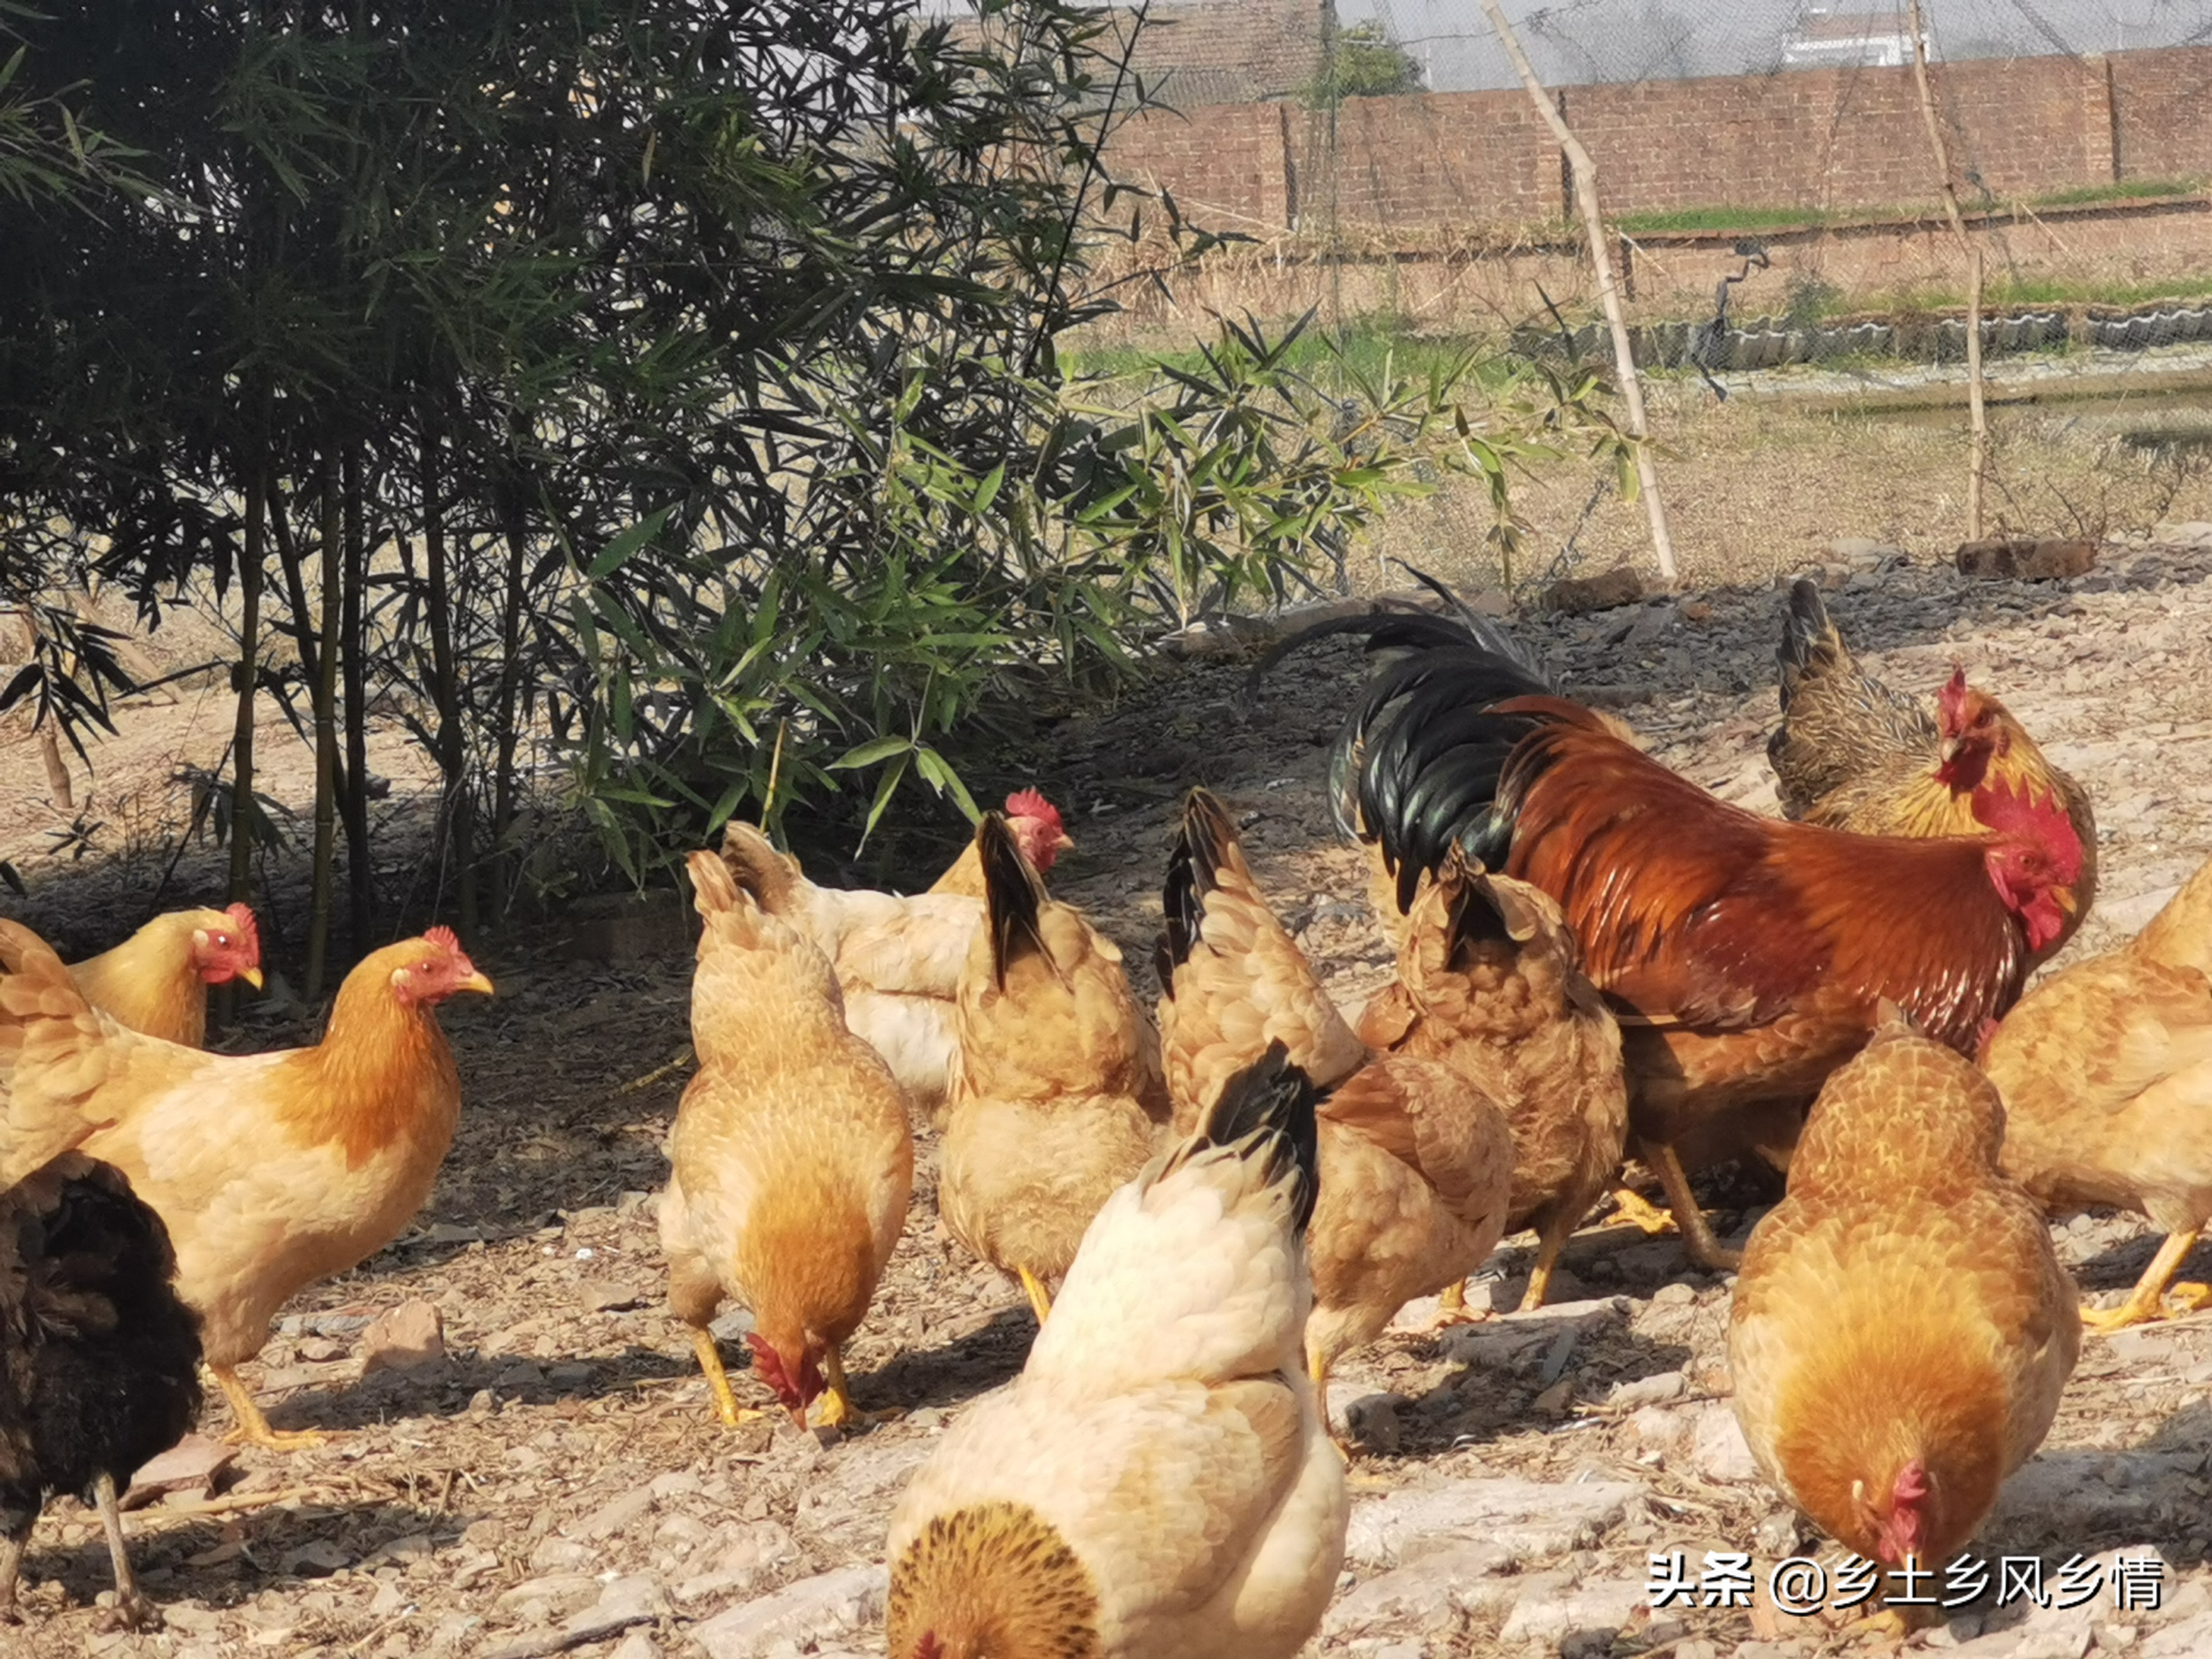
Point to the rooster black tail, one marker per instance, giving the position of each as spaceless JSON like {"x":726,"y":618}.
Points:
{"x":1809,"y":639}
{"x":1013,"y":896}
{"x":1268,"y":1109}
{"x":1194,"y":861}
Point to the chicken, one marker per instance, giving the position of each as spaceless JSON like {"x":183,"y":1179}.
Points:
{"x":1056,"y":1096}
{"x":1490,"y":983}
{"x":1901,"y":1328}
{"x":1415,"y":1158}
{"x":899,"y":959}
{"x":2107,"y":1074}
{"x":1851,"y":754}
{"x":99,"y":1358}
{"x":1155,"y":1484}
{"x":156,"y":981}
{"x":792,"y":1157}
{"x":270,"y":1170}
{"x":1743,"y":956}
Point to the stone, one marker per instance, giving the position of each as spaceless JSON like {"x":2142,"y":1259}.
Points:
{"x":636,"y":1598}
{"x":1718,"y":1451}
{"x":599,"y":1296}
{"x":191,"y":1466}
{"x":2185,"y":1640}
{"x":316,"y":1560}
{"x":636,"y":1645}
{"x":557,"y":1553}
{"x":2015,"y":558}
{"x":1655,"y":1390}
{"x":1431,"y":1591}
{"x":1608,"y":591}
{"x":810,"y":1611}
{"x":1518,"y":1520}
{"x":1862,"y":552}
{"x":551,"y":1595}
{"x":410,"y":1336}
{"x":1596,"y":1608}
{"x":757,"y":1550}
{"x":616,"y":1515}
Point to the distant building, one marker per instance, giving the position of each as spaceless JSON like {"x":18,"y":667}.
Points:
{"x":1229,"y":51}
{"x":1845,"y":39}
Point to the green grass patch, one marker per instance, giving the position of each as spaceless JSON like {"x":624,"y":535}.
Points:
{"x":1364,"y":346}
{"x":1750,"y":221}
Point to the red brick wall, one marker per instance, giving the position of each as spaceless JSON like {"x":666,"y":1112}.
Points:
{"x":1824,"y":138}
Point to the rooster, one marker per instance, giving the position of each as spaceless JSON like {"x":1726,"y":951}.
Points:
{"x":790,"y":1161}
{"x":1416,"y":1156}
{"x":1901,"y":1328}
{"x":2106,"y":1073}
{"x":1155,"y":1484}
{"x":1852,"y":754}
{"x":156,"y":981}
{"x":269,"y":1170}
{"x":1057,"y":1097}
{"x":1744,"y":957}
{"x":99,"y":1358}
{"x":898,"y":958}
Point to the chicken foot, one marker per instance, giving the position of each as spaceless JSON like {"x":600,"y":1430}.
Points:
{"x":1631,"y":1206}
{"x":2145,"y":1303}
{"x":1704,"y":1249}
{"x":1040,"y":1299}
{"x":839,"y":1412}
{"x":13,"y":1542}
{"x":132,"y":1610}
{"x":253,"y":1428}
{"x":726,"y":1409}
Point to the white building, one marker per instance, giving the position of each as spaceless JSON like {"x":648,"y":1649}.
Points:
{"x":1838,"y":39}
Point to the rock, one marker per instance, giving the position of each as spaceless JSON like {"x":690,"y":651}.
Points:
{"x":317,"y":1560}
{"x":2019,"y":559}
{"x":1656,"y":1390}
{"x":598,"y":1295}
{"x":1561,"y":1620}
{"x":732,"y":1324}
{"x":558,"y":1554}
{"x":809,"y":1611}
{"x":759,"y":1548}
{"x":1534,"y":1338}
{"x":636,"y":1645}
{"x":1518,"y":1520}
{"x":1718,"y":1451}
{"x":553,"y":1595}
{"x":1372,"y":1421}
{"x":1608,"y":591}
{"x":191,"y":1466}
{"x":2185,"y":1640}
{"x":616,"y":1515}
{"x":413,"y":1335}
{"x":1862,"y":552}
{"x":1432,"y":1591}
{"x":2080,"y":1493}
{"x":637,"y":1599}
{"x":2187,"y":532}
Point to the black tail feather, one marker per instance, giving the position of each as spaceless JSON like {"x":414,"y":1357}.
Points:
{"x":1273,"y":1098}
{"x":1013,"y":896}
{"x":1201,"y":842}
{"x":1805,"y":630}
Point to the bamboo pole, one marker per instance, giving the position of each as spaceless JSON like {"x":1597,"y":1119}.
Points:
{"x":1608,"y":287}
{"x":1977,"y":413}
{"x":326,"y":732}
{"x":249,"y":675}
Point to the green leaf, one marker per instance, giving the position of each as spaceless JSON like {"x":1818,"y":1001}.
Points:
{"x":871,"y":753}
{"x":617,"y":552}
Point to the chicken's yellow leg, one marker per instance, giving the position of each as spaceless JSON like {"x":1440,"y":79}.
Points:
{"x":1638,"y":1211}
{"x":253,"y":1428}
{"x":1549,"y":1243}
{"x":1698,"y":1237}
{"x":710,"y":1361}
{"x":1039,"y":1302}
{"x":840,"y":1409}
{"x":2147,"y":1301}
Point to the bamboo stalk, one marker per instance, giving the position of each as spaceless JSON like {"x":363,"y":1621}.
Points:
{"x":354,"y":796}
{"x":1608,"y":287}
{"x":327,"y":732}
{"x":249,"y":676}
{"x":1977,"y":412}
{"x":510,"y":685}
{"x":453,"y":837}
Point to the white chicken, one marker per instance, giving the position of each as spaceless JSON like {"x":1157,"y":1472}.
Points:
{"x":1157,"y":1481}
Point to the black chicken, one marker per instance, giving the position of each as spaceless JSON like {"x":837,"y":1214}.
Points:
{"x":99,"y":1360}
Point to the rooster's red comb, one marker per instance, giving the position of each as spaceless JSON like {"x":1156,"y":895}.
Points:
{"x":1951,"y":702}
{"x":1032,"y":804}
{"x":444,"y":939}
{"x":2018,"y":815}
{"x":249,"y":930}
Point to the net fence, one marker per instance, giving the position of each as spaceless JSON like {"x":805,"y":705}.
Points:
{"x":1772,"y":201}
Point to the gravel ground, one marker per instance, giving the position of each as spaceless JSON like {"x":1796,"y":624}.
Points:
{"x":555,"y":1481}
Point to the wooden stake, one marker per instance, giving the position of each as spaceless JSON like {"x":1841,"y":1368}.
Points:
{"x":1977,"y":415}
{"x":1608,"y":287}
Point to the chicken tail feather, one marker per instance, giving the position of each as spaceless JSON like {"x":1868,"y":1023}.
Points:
{"x":1013,"y":894}
{"x":1267,"y":1110}
{"x":756,"y":866}
{"x":1809,"y":639}
{"x":1194,"y":871}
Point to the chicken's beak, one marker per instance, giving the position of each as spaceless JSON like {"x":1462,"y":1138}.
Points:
{"x":1063,"y":842}
{"x":2063,"y":897}
{"x":1946,"y":749}
{"x":252,"y":977}
{"x":474,"y":981}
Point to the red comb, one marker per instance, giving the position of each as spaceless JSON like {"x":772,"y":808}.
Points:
{"x":444,"y":939}
{"x":248,"y":929}
{"x":2017,"y":814}
{"x":1032,"y":804}
{"x":1951,"y":702}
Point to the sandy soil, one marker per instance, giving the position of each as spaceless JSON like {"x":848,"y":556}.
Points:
{"x":563,"y":1458}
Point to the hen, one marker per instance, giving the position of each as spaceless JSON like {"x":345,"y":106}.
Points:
{"x":1155,"y":1484}
{"x":792,"y":1156}
{"x":1490,"y":983}
{"x":1743,"y":956}
{"x":2107,"y":1074}
{"x":156,"y":981}
{"x":1056,"y":1096}
{"x":271,"y":1170}
{"x":1851,"y":754}
{"x":99,"y":1358}
{"x":1901,"y":1326}
{"x":1415,"y":1158}
{"x":899,"y":959}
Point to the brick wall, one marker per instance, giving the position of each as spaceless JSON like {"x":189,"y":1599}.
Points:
{"x":1824,"y":138}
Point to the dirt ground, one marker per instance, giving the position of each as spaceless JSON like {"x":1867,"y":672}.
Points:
{"x":558,"y":1481}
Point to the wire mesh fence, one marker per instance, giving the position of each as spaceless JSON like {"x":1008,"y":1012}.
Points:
{"x":1772,"y":200}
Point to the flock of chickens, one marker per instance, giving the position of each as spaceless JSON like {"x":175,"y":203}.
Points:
{"x":1597,"y":961}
